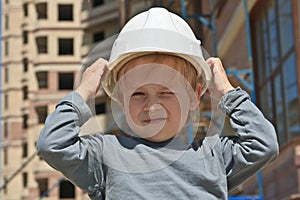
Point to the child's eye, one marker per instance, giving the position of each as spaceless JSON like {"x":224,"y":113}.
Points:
{"x":166,"y":93}
{"x":138,"y":94}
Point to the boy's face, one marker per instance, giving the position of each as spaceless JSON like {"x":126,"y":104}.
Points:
{"x":156,"y":98}
{"x":156,"y":107}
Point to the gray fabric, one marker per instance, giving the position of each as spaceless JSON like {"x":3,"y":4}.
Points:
{"x":133,"y":168}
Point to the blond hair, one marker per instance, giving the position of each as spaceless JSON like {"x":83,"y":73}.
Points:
{"x":179,"y":64}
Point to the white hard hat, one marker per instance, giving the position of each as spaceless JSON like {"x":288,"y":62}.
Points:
{"x":156,"y":30}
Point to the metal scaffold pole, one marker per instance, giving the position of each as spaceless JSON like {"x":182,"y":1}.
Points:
{"x":253,"y":94}
{"x":1,"y":120}
{"x":18,"y":171}
{"x":207,"y":20}
{"x":236,"y":73}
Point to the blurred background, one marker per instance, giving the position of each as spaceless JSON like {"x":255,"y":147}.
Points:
{"x":45,"y":43}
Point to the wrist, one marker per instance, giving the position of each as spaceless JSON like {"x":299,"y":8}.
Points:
{"x":227,"y":89}
{"x":232,"y":99}
{"x":82,"y":93}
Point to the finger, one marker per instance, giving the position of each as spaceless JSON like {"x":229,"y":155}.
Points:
{"x":102,"y":65}
{"x":212,"y":60}
{"x":213,"y":64}
{"x":102,"y":62}
{"x":216,"y":66}
{"x":97,"y":69}
{"x":99,"y":64}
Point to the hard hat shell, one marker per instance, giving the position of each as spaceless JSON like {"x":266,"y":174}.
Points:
{"x":156,"y":30}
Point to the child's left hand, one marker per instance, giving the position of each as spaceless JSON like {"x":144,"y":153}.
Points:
{"x":219,"y":84}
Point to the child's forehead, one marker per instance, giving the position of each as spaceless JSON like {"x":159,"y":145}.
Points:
{"x":153,"y":86}
{"x":152,"y":75}
{"x":163,"y":59}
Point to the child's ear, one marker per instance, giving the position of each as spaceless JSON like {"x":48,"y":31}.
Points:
{"x":196,"y":99}
{"x":198,"y":91}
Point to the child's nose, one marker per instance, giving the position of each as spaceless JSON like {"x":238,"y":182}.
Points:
{"x":152,"y":104}
{"x":155,"y":107}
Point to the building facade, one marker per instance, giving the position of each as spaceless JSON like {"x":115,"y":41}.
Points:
{"x":45,"y":44}
{"x":270,"y":46}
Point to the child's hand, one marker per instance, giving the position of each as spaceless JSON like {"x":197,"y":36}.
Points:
{"x":91,"y":79}
{"x":220,"y":84}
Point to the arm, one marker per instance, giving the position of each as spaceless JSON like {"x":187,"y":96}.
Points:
{"x":59,"y":144}
{"x":256,"y":142}
{"x":255,"y":145}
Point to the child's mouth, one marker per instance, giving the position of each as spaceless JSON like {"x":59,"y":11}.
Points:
{"x":155,"y":120}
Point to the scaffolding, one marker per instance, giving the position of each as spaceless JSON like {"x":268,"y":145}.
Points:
{"x":237,"y":74}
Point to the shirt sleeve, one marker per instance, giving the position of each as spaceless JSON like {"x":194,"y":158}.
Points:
{"x":256,"y":142}
{"x":78,"y":158}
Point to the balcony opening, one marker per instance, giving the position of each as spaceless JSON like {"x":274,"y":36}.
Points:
{"x":25,"y":179}
{"x":25,"y":37}
{"x":66,"y":81}
{"x":5,"y":155}
{"x":6,"y":22}
{"x":6,"y":48}
{"x":65,"y":12}
{"x":43,"y":187}
{"x":42,"y":113}
{"x":25,"y":92}
{"x":41,"y":10}
{"x":42,"y":45}
{"x":98,"y":3}
{"x":25,"y":9}
{"x":100,"y":107}
{"x":42,"y":78}
{"x":6,"y":101}
{"x":25,"y":64}
{"x":5,"y":131}
{"x":65,"y":46}
{"x":6,"y":74}
{"x":66,"y":190}
{"x":98,"y":36}
{"x":25,"y":121}
{"x":24,"y":150}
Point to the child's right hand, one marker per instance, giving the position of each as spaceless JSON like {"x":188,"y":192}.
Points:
{"x":91,"y":79}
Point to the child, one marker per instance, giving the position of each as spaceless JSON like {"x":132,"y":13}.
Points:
{"x":157,"y":74}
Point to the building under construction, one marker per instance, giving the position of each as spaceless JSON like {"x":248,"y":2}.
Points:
{"x":45,"y":43}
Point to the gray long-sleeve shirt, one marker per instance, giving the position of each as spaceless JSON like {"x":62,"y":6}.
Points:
{"x":133,"y":168}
